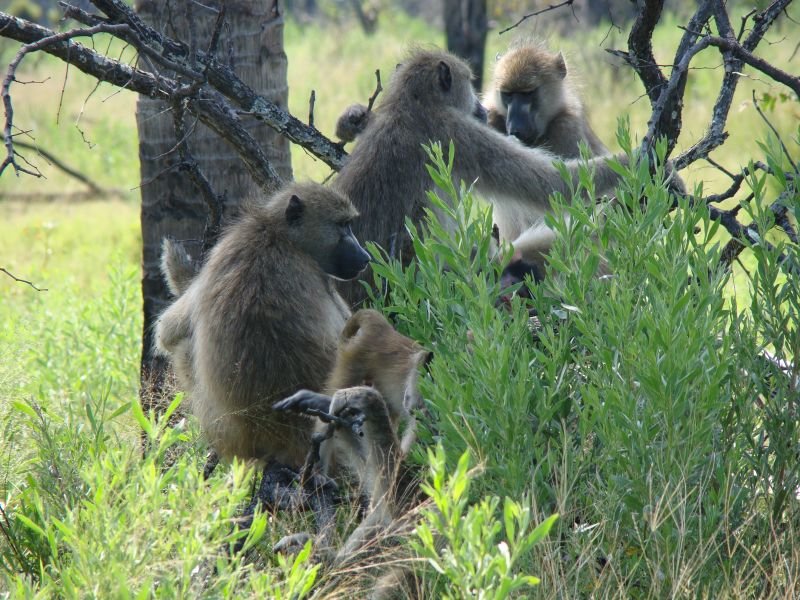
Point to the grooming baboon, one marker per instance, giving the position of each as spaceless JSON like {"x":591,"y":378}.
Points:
{"x":532,"y":99}
{"x":262,"y":319}
{"x":430,"y":99}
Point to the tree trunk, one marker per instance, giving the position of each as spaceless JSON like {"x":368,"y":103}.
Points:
{"x":251,"y":42}
{"x":466,"y":27}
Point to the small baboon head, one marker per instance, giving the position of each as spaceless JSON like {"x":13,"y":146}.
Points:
{"x":434,"y":77}
{"x":318,"y":221}
{"x":528,"y":82}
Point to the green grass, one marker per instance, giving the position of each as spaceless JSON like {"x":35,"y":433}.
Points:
{"x":640,"y":412}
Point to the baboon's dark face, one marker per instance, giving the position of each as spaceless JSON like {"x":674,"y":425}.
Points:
{"x":321,"y":229}
{"x":348,"y":258}
{"x":521,"y":109}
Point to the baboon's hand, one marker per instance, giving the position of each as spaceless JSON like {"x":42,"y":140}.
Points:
{"x":306,"y":401}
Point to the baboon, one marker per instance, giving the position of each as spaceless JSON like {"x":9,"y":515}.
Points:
{"x":366,"y":441}
{"x":360,"y":426}
{"x":532,"y":99}
{"x":430,"y":99}
{"x":371,"y":352}
{"x":262,"y":319}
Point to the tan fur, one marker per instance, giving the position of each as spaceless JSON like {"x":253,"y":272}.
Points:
{"x":259,"y":321}
{"x":371,"y":352}
{"x":559,"y":117}
{"x":385,"y":175}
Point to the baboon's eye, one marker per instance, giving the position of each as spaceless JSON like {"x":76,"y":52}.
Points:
{"x":531,"y":98}
{"x":506,"y":98}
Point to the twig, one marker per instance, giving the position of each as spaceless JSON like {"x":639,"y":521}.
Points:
{"x":775,"y":131}
{"x":93,"y":187}
{"x":737,"y":180}
{"x":9,"y":78}
{"x":744,"y":23}
{"x":215,"y":34}
{"x":537,"y":13}
{"x":378,"y":90}
{"x":311,"y":100}
{"x":15,"y":278}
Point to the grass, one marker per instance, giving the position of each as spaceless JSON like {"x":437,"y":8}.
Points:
{"x":641,"y":412}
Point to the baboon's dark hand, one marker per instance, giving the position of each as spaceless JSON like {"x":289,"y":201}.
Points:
{"x":303,"y":401}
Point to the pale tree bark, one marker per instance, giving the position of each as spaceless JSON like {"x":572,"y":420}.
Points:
{"x":466,"y":27}
{"x":251,"y":43}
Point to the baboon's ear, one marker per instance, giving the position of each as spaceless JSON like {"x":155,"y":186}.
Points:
{"x":445,"y":76}
{"x":294,"y":212}
{"x":561,"y":65}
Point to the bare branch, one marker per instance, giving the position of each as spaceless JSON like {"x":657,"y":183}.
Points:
{"x":189,"y":164}
{"x":378,"y":90}
{"x":311,"y":100}
{"x":715,"y":136}
{"x":15,"y":278}
{"x":41,"y":44}
{"x":539,"y":12}
{"x":738,"y":179}
{"x":223,"y":78}
{"x":93,"y":187}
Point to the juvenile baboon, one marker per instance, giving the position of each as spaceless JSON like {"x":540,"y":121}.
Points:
{"x":430,"y":99}
{"x":532,"y":98}
{"x":262,"y":319}
{"x":372,"y":352}
{"x":372,"y":391}
{"x":366,"y":443}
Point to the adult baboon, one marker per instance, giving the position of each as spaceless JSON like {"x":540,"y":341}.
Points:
{"x":430,"y":99}
{"x":262,"y":319}
{"x":532,"y":98}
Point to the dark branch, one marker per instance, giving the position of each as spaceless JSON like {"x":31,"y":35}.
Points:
{"x":15,"y":278}
{"x":311,"y":100}
{"x":537,"y":13}
{"x":716,"y":135}
{"x":189,"y":165}
{"x":93,"y":187}
{"x":211,"y":108}
{"x":224,"y":79}
{"x":378,"y":90}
